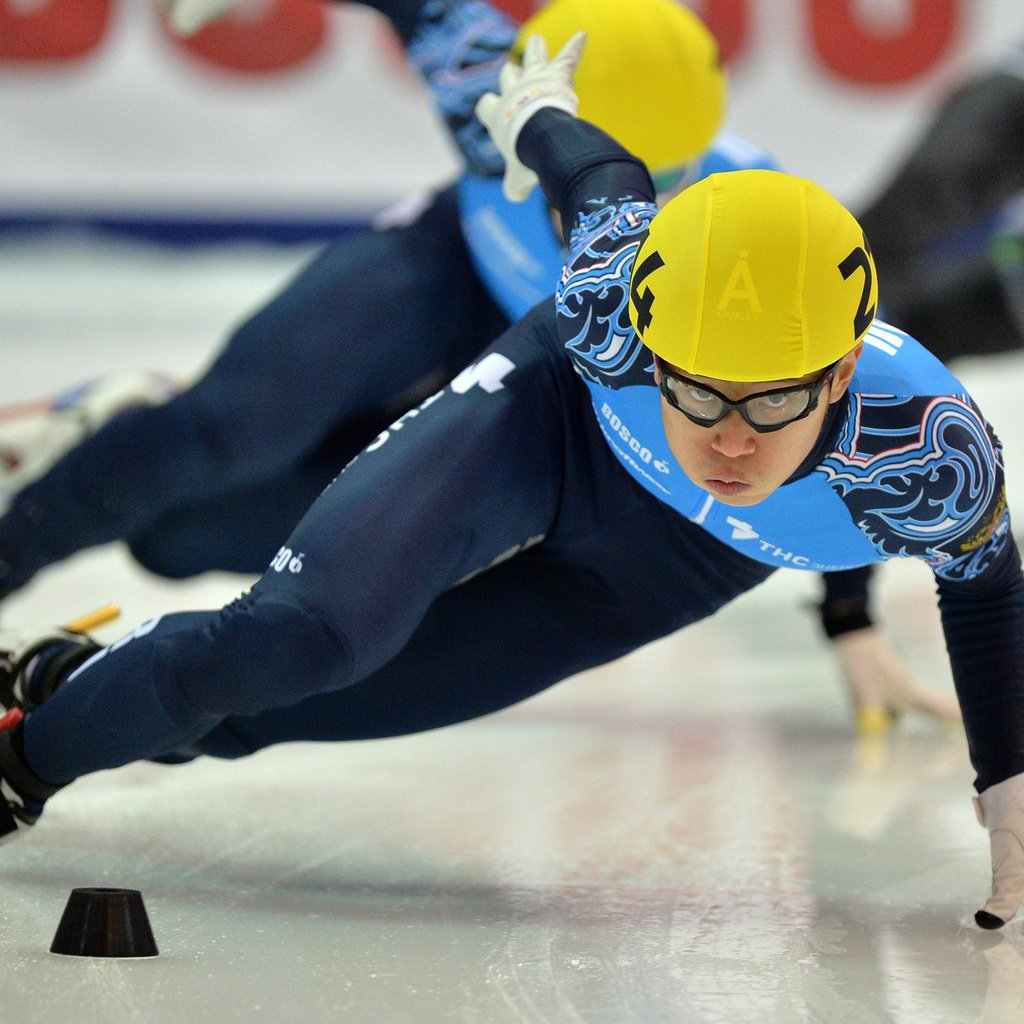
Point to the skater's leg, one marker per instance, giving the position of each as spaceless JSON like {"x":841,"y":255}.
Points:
{"x":35,"y":435}
{"x":475,"y":474}
{"x":969,"y":162}
{"x":241,"y":531}
{"x":967,"y":311}
{"x":355,"y":332}
{"x":508,"y":634}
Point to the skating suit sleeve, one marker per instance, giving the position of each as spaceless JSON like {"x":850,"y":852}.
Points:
{"x":459,"y":49}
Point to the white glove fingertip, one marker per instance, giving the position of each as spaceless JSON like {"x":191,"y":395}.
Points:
{"x":185,"y":21}
{"x":570,"y":54}
{"x":508,"y":76}
{"x":518,"y":183}
{"x":182,"y":26}
{"x":535,"y":56}
{"x":186,"y":17}
{"x":519,"y":195}
{"x":999,"y":908}
{"x":988,"y":921}
{"x":485,"y":106}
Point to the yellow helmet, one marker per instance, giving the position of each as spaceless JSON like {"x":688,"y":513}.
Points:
{"x":753,"y":276}
{"x":650,"y":74}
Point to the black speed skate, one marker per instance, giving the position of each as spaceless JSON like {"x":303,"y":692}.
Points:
{"x":22,"y":792}
{"x":33,"y":663}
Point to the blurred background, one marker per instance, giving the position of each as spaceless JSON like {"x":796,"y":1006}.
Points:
{"x":298,"y":118}
{"x":692,"y":833}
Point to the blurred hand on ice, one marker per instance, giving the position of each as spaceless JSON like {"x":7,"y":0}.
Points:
{"x":880,"y":685}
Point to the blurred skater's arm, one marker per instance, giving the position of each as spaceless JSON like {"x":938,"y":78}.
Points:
{"x":879,"y":684}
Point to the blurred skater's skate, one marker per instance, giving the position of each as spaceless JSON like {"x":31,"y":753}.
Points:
{"x":33,"y":436}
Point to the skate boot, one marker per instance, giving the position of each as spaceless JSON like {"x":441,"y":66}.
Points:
{"x":35,"y":435}
{"x":22,"y":792}
{"x":33,"y":663}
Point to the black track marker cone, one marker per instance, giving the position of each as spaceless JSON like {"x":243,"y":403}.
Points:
{"x":104,"y":922}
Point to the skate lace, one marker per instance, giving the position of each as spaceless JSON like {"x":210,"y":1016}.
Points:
{"x":9,"y":720}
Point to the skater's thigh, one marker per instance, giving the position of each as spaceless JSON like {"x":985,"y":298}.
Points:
{"x":360,"y":325}
{"x":473,"y":473}
{"x":489,"y":643}
{"x":239,"y":531}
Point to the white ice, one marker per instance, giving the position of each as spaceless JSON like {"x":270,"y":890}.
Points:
{"x":693,"y":834}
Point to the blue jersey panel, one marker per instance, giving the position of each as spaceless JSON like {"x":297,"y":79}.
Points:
{"x":513,"y":245}
{"x":804,"y":525}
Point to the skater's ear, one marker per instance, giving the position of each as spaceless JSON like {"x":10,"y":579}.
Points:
{"x":844,"y":374}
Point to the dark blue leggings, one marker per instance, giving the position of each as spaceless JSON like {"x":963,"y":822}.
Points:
{"x":484,"y":548}
{"x":216,"y":478}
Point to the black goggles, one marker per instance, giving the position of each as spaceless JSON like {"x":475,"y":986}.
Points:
{"x":766,"y":411}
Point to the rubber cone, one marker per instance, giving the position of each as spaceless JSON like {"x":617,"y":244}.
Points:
{"x":104,"y":922}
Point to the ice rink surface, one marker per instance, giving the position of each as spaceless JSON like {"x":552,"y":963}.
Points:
{"x":692,"y":834}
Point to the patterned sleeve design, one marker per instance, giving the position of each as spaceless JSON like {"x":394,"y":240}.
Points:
{"x":934,"y":491}
{"x":460,"y":49}
{"x":593,"y":294}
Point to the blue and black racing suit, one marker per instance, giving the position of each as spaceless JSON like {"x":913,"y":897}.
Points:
{"x":215,"y":478}
{"x":527,"y":521}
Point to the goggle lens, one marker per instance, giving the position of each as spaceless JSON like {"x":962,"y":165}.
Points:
{"x":765,"y":411}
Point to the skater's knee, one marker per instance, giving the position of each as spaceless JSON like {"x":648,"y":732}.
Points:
{"x":261,"y":653}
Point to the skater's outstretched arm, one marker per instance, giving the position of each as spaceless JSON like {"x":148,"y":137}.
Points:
{"x":977,"y":567}
{"x":458,"y":46}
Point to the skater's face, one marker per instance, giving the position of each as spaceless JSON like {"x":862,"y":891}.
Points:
{"x":730,"y":459}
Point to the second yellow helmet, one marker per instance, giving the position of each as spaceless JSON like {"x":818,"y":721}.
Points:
{"x":650,"y":74}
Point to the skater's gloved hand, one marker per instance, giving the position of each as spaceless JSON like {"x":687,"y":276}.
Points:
{"x":525,"y":89}
{"x":186,"y":17}
{"x":1000,"y":809}
{"x":35,"y":660}
{"x":880,"y":685}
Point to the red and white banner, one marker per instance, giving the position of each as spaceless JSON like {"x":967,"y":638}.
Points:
{"x":300,"y":110}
